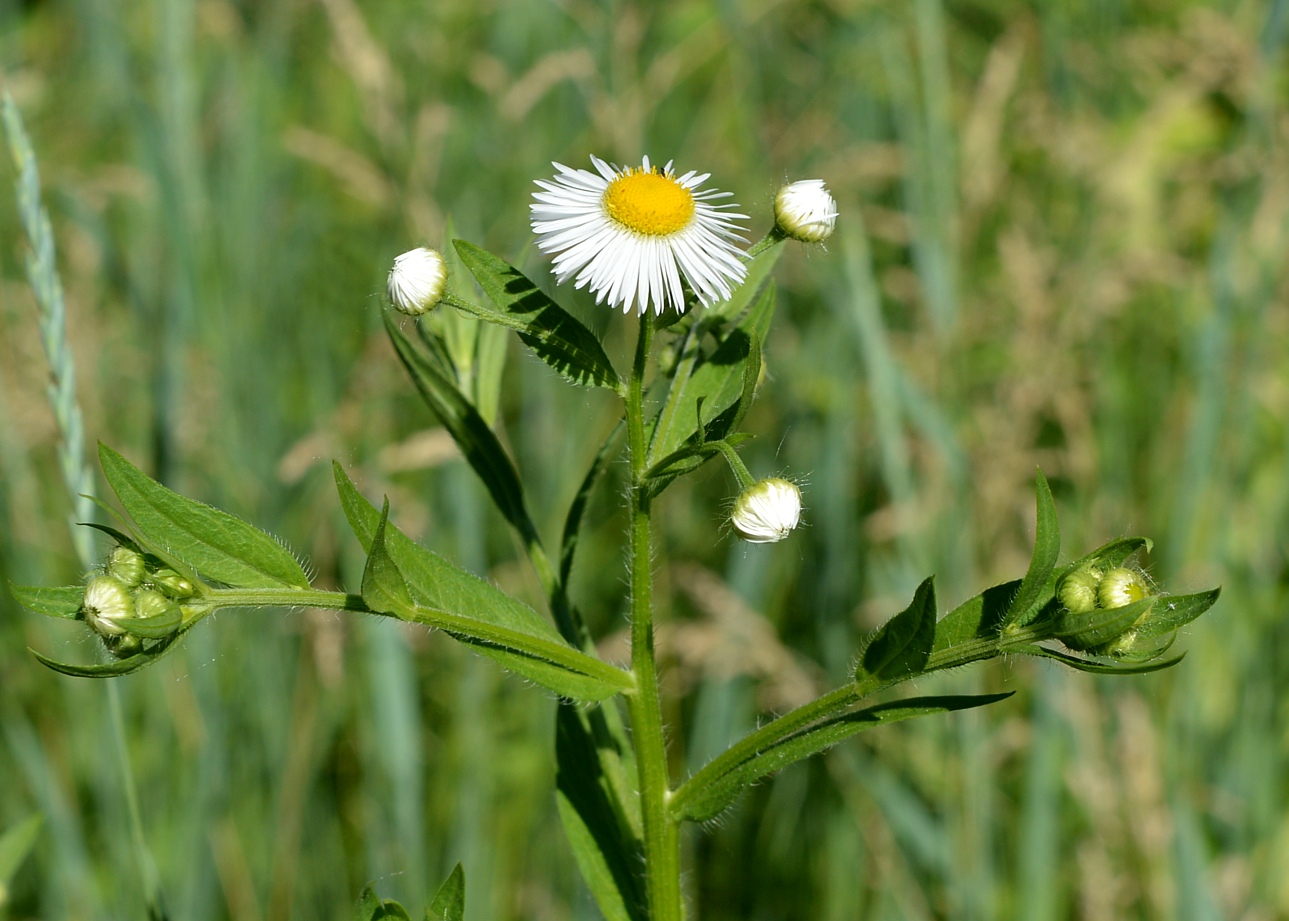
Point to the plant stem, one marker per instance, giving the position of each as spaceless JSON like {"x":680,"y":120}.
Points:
{"x":661,"y":834}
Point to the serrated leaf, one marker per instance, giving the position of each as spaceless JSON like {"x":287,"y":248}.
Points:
{"x":1047,"y":548}
{"x":218,"y":545}
{"x":407,"y":581}
{"x":901,"y":646}
{"x":15,"y":844}
{"x":449,"y":901}
{"x":554,"y":335}
{"x":608,"y":851}
{"x":63,"y":601}
{"x":700,"y":805}
{"x":717,"y":384}
{"x":473,"y":436}
{"x":1174,"y":611}
{"x":1095,"y":668}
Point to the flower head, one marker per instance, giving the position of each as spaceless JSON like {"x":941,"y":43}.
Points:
{"x":767,"y":511}
{"x":632,"y":233}
{"x":417,"y":281}
{"x":106,"y":604}
{"x":1122,"y":587}
{"x":805,"y":211}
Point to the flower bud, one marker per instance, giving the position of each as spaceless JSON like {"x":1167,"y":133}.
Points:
{"x":106,"y":604}
{"x":126,"y":565}
{"x":417,"y":282}
{"x":158,"y":616}
{"x":767,"y":511}
{"x":1121,"y":587}
{"x":805,"y":211}
{"x":171,"y":584}
{"x":1078,"y":590}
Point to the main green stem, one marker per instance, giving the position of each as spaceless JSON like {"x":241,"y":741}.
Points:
{"x":661,"y":834}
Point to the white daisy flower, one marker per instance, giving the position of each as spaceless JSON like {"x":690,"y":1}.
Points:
{"x":417,"y":281}
{"x":631,"y":234}
{"x":805,"y":211}
{"x":767,"y":511}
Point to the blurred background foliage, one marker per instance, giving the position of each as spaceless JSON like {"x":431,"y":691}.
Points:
{"x":1061,"y":242}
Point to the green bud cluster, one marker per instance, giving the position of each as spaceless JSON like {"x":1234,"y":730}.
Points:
{"x":135,"y":597}
{"x":1088,"y":594}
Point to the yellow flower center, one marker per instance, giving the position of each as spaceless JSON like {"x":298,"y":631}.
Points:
{"x":649,"y":202}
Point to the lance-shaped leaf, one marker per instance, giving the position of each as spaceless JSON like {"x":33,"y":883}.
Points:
{"x":215,"y":543}
{"x":715,"y":385}
{"x":606,"y":843}
{"x":1093,"y":667}
{"x":114,"y":669}
{"x":705,"y":800}
{"x":449,"y":901}
{"x":473,"y":436}
{"x":63,"y":601}
{"x":1036,"y":587}
{"x":971,"y":629}
{"x":901,"y":646}
{"x":407,"y":581}
{"x":1173,"y":611}
{"x":554,"y":335}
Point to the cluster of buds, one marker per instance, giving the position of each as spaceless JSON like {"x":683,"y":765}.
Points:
{"x":1089,"y":592}
{"x":134,"y":597}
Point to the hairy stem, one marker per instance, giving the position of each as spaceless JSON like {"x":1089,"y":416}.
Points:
{"x":661,"y":834}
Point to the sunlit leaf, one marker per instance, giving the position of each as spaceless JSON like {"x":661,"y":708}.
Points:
{"x":1173,"y":611}
{"x":902,"y":645}
{"x":64,"y":601}
{"x":218,"y":545}
{"x":449,"y":901}
{"x":717,"y":793}
{"x":554,"y":335}
{"x":1036,"y":585}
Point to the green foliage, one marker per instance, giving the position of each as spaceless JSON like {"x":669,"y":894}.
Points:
{"x":449,"y":901}
{"x":15,"y":844}
{"x":554,"y":335}
{"x":901,"y":647}
{"x":213,"y":542}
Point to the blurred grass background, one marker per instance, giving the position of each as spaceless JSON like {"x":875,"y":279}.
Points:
{"x":1061,"y":245}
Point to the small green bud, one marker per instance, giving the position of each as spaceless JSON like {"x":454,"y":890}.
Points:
{"x":124,"y":646}
{"x":106,"y":604}
{"x":126,"y":565}
{"x":1122,"y":645}
{"x":1078,"y":590}
{"x":172,"y":584}
{"x":1121,"y":587}
{"x":159,"y":617}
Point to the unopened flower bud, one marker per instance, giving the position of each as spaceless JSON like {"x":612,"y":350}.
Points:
{"x":126,"y":565}
{"x":124,"y":646}
{"x":767,"y":511}
{"x":805,"y":211}
{"x":158,"y":616}
{"x":1121,"y":587}
{"x":170,"y":583}
{"x":106,"y":604}
{"x":417,"y":281}
{"x":1079,"y":590}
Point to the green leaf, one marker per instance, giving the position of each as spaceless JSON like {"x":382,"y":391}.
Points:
{"x":64,"y":601}
{"x":901,"y":646}
{"x":758,"y":271}
{"x":1174,"y":611}
{"x":1096,"y":668}
{"x":449,"y":902}
{"x":1047,"y":547}
{"x":1089,"y":630}
{"x":590,"y":793}
{"x":473,"y":436}
{"x":368,"y":907}
{"x":383,"y":587}
{"x":115,"y":668}
{"x":215,"y":543}
{"x":1107,"y":556}
{"x":683,"y":460}
{"x":717,"y":383}
{"x":553,"y":334}
{"x":576,"y":509}
{"x":977,"y":620}
{"x":700,"y":805}
{"x":15,"y":844}
{"x":407,"y":581}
